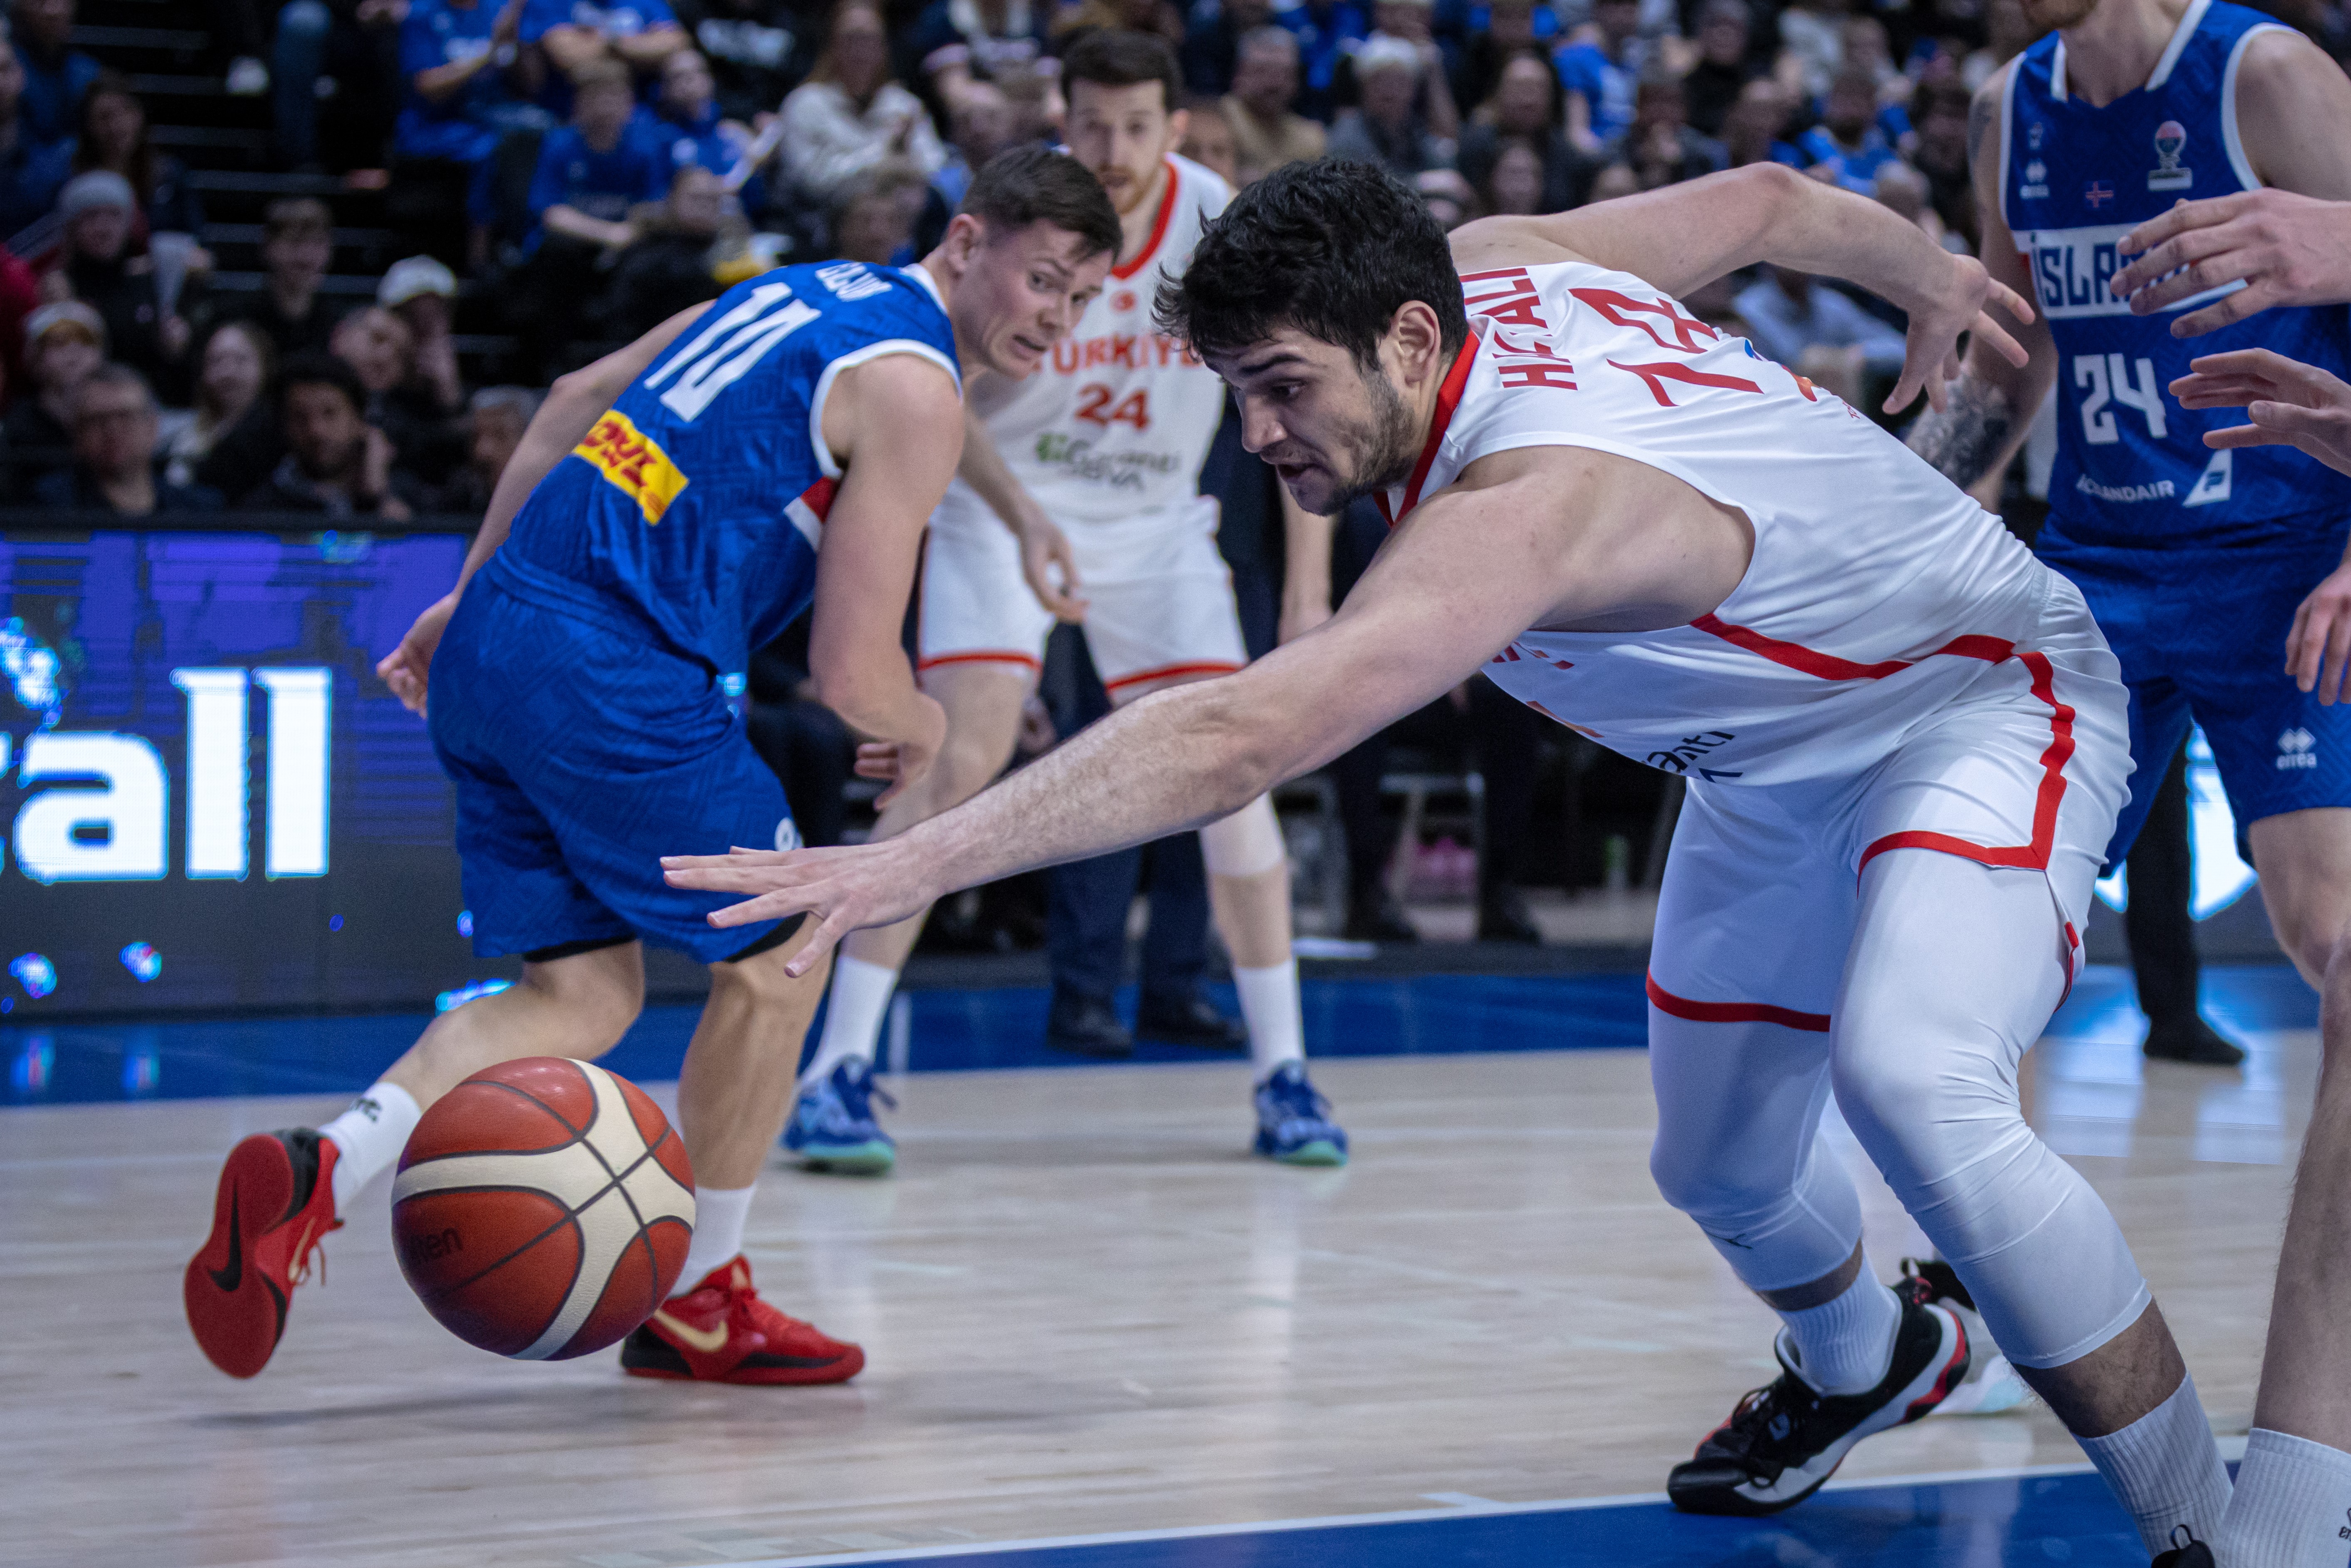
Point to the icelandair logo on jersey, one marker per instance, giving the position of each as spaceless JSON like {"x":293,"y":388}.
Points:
{"x":2211,"y":485}
{"x":634,"y":462}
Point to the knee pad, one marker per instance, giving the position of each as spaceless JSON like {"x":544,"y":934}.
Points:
{"x":1244,"y":844}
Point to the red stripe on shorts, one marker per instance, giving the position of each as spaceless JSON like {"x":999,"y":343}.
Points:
{"x":1734,"y":1012}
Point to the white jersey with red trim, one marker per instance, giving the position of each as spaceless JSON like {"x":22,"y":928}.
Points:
{"x":1878,"y":596}
{"x":1119,"y":419}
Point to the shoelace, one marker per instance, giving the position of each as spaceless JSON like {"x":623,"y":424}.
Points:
{"x":1298,"y":1098}
{"x":313,"y":1249}
{"x":1758,"y":1411}
{"x":858,"y":1093}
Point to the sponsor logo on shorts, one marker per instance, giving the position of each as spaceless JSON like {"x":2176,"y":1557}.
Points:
{"x":2161,"y":490}
{"x":2297,"y":749}
{"x":634,"y":462}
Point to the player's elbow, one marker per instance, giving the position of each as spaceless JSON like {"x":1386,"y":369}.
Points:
{"x":1247,"y":744}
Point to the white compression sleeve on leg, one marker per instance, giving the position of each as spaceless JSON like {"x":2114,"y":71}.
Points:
{"x":2165,"y":1470}
{"x":1244,"y":844}
{"x":854,"y":1008}
{"x":368,"y":1138}
{"x":2292,"y":1499}
{"x":1277,"y":1027}
{"x":720,"y":1215}
{"x":1954,"y":970}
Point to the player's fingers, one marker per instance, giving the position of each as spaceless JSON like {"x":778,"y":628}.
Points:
{"x":2266,"y":363}
{"x":818,"y":947}
{"x":2225,"y":312}
{"x":2307,"y":645}
{"x":2006,"y":346}
{"x":2010,"y":300}
{"x":735,"y":856}
{"x":2237,"y":435}
{"x":2338,"y":654}
{"x":1908,"y":385}
{"x":2182,"y":216}
{"x":2159,"y":269}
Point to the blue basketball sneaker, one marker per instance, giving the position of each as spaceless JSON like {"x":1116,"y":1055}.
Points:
{"x":1292,"y":1123}
{"x":832,"y":1126}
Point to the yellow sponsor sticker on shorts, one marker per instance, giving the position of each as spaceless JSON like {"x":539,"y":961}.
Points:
{"x":634,"y":462}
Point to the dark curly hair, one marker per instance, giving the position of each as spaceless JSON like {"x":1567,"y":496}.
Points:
{"x":1334,"y":249}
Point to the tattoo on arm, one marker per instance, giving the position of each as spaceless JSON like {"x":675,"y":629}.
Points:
{"x":1964,"y":440}
{"x":1981,"y":108}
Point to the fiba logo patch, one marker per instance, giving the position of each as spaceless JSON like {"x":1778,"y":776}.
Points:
{"x":787,"y":833}
{"x":2170,"y":138}
{"x":2297,"y":749}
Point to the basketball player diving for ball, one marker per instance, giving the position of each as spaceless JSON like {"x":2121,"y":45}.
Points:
{"x":1904,"y":739}
{"x":678,"y":493}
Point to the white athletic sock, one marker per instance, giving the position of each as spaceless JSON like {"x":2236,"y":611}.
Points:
{"x":2291,"y":1505}
{"x":719,"y":1213}
{"x":368,"y":1138}
{"x":853,"y":1012}
{"x":1844,"y":1346}
{"x":2165,"y":1470}
{"x":1277,"y":1028}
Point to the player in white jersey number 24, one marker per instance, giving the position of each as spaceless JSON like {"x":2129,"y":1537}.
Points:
{"x":1904,"y":739}
{"x":1078,"y":499}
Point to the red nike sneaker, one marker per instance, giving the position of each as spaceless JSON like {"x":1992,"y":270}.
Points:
{"x":721,"y":1332}
{"x":276,"y":1199}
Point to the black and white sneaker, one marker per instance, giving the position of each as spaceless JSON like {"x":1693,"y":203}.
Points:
{"x":2188,"y":1553}
{"x":1785,"y":1439}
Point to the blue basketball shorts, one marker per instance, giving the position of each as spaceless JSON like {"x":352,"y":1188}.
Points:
{"x":2200,"y":634}
{"x":583,"y":749}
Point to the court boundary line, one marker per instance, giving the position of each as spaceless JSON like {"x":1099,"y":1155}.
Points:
{"x":1340,"y":1521}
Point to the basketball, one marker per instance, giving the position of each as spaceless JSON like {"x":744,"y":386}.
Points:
{"x":543,"y":1208}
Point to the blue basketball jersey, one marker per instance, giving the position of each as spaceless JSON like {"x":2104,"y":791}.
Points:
{"x":2132,"y":466}
{"x":695,"y":504}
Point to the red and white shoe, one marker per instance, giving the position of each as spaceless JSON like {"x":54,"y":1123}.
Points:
{"x":275,"y":1200}
{"x":721,"y":1332}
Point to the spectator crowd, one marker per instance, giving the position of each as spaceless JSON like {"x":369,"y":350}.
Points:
{"x":573,"y":172}
{"x":565,"y":173}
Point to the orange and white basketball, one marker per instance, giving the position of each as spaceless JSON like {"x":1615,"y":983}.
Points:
{"x":543,"y":1208}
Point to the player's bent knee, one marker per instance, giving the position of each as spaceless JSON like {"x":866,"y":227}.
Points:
{"x":1247,"y":843}
{"x":601,"y":989}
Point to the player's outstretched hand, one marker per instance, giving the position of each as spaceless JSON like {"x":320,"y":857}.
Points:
{"x":906,"y":759}
{"x":1930,"y":359}
{"x":2286,"y":249}
{"x":1043,"y":546}
{"x":843,"y":889}
{"x":2290,"y":403}
{"x":407,"y":667}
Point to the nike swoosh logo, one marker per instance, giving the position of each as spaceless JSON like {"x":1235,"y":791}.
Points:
{"x":228,"y":1278}
{"x":709,"y":1342}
